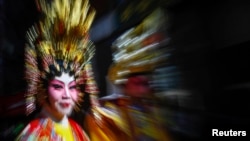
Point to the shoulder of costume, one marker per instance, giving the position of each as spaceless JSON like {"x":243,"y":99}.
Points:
{"x":29,"y":130}
{"x":77,"y":128}
{"x":32,"y":124}
{"x":73,"y":123}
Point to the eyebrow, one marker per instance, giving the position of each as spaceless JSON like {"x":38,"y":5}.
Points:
{"x":70,"y":83}
{"x":56,"y":80}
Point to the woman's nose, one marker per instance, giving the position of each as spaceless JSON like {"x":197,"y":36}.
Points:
{"x":66,"y":93}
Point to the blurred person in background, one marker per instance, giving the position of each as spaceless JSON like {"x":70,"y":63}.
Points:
{"x":142,"y":109}
{"x":58,"y":69}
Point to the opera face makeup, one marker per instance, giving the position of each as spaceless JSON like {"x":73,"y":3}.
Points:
{"x":63,"y":93}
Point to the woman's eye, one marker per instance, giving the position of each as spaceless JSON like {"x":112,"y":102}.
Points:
{"x":57,"y":86}
{"x":72,"y":87}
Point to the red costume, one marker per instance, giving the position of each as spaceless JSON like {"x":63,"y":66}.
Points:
{"x":43,"y":129}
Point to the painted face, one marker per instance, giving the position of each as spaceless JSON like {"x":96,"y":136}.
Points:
{"x":138,"y":86}
{"x":62,"y":93}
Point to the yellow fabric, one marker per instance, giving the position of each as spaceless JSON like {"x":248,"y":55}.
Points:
{"x":64,"y":131}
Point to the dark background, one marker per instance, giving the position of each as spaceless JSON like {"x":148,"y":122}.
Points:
{"x":211,"y":41}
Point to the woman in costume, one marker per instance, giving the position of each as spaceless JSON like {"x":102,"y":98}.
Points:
{"x":58,"y":69}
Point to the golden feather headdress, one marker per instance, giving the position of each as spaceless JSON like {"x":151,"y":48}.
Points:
{"x":59,"y":42}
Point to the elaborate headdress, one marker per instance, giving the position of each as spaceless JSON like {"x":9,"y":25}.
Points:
{"x":59,"y":43}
